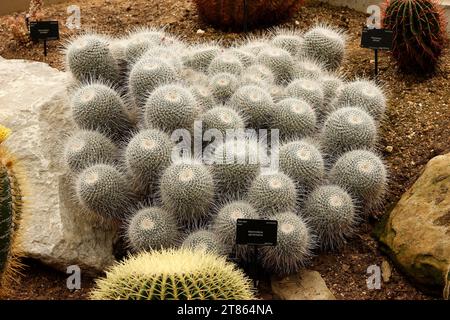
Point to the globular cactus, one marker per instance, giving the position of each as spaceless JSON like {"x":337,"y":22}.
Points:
{"x":90,"y":58}
{"x":257,"y":74}
{"x":170,"y":55}
{"x":147,"y":154}
{"x":193,"y":77}
{"x":294,"y":118}
{"x":280,"y":62}
{"x":246,"y":58}
{"x":204,"y":96}
{"x":103,"y":190}
{"x":303,"y":162}
{"x":331,"y":85}
{"x":174,"y":275}
{"x":12,"y":216}
{"x":255,"y":104}
{"x":363,"y":174}
{"x":225,"y":222}
{"x":365,"y":95}
{"x":229,"y":14}
{"x":222,"y":119}
{"x":255,"y":45}
{"x":152,"y":228}
{"x":99,"y":107}
{"x":187,"y":190}
{"x":308,"y":90}
{"x":225,"y":63}
{"x":234,"y":165}
{"x":308,"y":69}
{"x":223,"y":86}
{"x":277,"y":93}
{"x":294,"y":244}
{"x":420,"y":35}
{"x":146,"y":75}
{"x":85,"y":148}
{"x":272,"y":193}
{"x":199,"y":57}
{"x":325,"y":44}
{"x":171,"y":107}
{"x":204,"y":240}
{"x":331,"y":214}
{"x":289,"y":40}
{"x":348,"y":129}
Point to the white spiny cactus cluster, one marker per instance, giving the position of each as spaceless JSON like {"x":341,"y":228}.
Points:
{"x":132,"y":94}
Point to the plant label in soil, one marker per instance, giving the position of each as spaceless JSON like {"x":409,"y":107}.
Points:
{"x":254,"y":232}
{"x":44,"y":30}
{"x":377,"y":39}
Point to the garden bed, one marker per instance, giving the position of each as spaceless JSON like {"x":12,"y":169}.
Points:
{"x":416,"y":127}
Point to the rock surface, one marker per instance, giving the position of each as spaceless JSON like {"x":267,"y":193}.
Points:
{"x":306,"y":285}
{"x":33,"y":104}
{"x":416,"y":234}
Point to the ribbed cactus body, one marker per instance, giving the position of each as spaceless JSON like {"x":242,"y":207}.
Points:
{"x":331,"y":214}
{"x":174,"y":275}
{"x":152,"y":228}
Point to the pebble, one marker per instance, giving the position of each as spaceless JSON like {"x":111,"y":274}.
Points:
{"x":386,"y":271}
{"x":200,"y":31}
{"x":389,"y":149}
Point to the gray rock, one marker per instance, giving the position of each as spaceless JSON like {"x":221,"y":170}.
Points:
{"x":306,"y":285}
{"x":33,"y":103}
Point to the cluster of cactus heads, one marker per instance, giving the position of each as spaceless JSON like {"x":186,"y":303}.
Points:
{"x":11,"y":214}
{"x":420,"y":34}
{"x":183,"y":274}
{"x":231,"y":14}
{"x":126,"y":156}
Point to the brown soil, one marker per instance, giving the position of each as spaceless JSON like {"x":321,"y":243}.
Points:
{"x":416,"y":128}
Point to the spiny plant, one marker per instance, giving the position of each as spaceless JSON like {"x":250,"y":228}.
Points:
{"x":294,"y":118}
{"x":325,"y":44}
{"x":271,"y":193}
{"x":223,"y":86}
{"x":331,"y":85}
{"x":199,"y":57}
{"x":294,"y":244}
{"x":225,"y":222}
{"x":420,"y":35}
{"x":89,"y":58}
{"x":348,"y":129}
{"x":171,"y":107}
{"x":247,"y":59}
{"x":147,"y":154}
{"x":204,"y":96}
{"x":103,"y":190}
{"x":174,"y":275}
{"x":222,"y":119}
{"x":152,"y":228}
{"x":308,"y":90}
{"x":280,"y":62}
{"x":11,"y":217}
{"x":225,"y":62}
{"x":363,"y":94}
{"x":86,"y":147}
{"x":258,"y":74}
{"x":146,"y":75}
{"x":289,"y":40}
{"x":363,"y":174}
{"x":187,"y":190}
{"x":278,"y":93}
{"x":229,"y":14}
{"x":331,"y":214}
{"x":303,"y":162}
{"x":99,"y":107}
{"x":308,"y":68}
{"x":204,"y":240}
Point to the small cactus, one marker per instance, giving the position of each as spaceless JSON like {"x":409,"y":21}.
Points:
{"x":325,"y":44}
{"x":363,"y":174}
{"x":223,"y":86}
{"x":222,"y":119}
{"x":247,"y":59}
{"x":204,"y":240}
{"x":199,"y":58}
{"x":365,"y":95}
{"x":174,"y":275}
{"x":308,"y":69}
{"x":187,"y":190}
{"x":273,"y":193}
{"x":99,"y":107}
{"x":294,"y":244}
{"x":152,"y":228}
{"x":289,"y":40}
{"x":294,"y":118}
{"x":348,"y":129}
{"x":303,"y":162}
{"x":204,"y":96}
{"x":103,"y":190}
{"x":308,"y":90}
{"x":86,"y":148}
{"x":225,"y":63}
{"x":331,"y":86}
{"x":89,"y":58}
{"x":255,"y":104}
{"x":280,"y":62}
{"x":258,"y":74}
{"x":171,"y":107}
{"x":332,"y":215}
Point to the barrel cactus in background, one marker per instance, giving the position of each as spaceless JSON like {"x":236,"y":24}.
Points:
{"x":229,"y":14}
{"x":420,"y":35}
{"x":11,"y":216}
{"x":174,"y":275}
